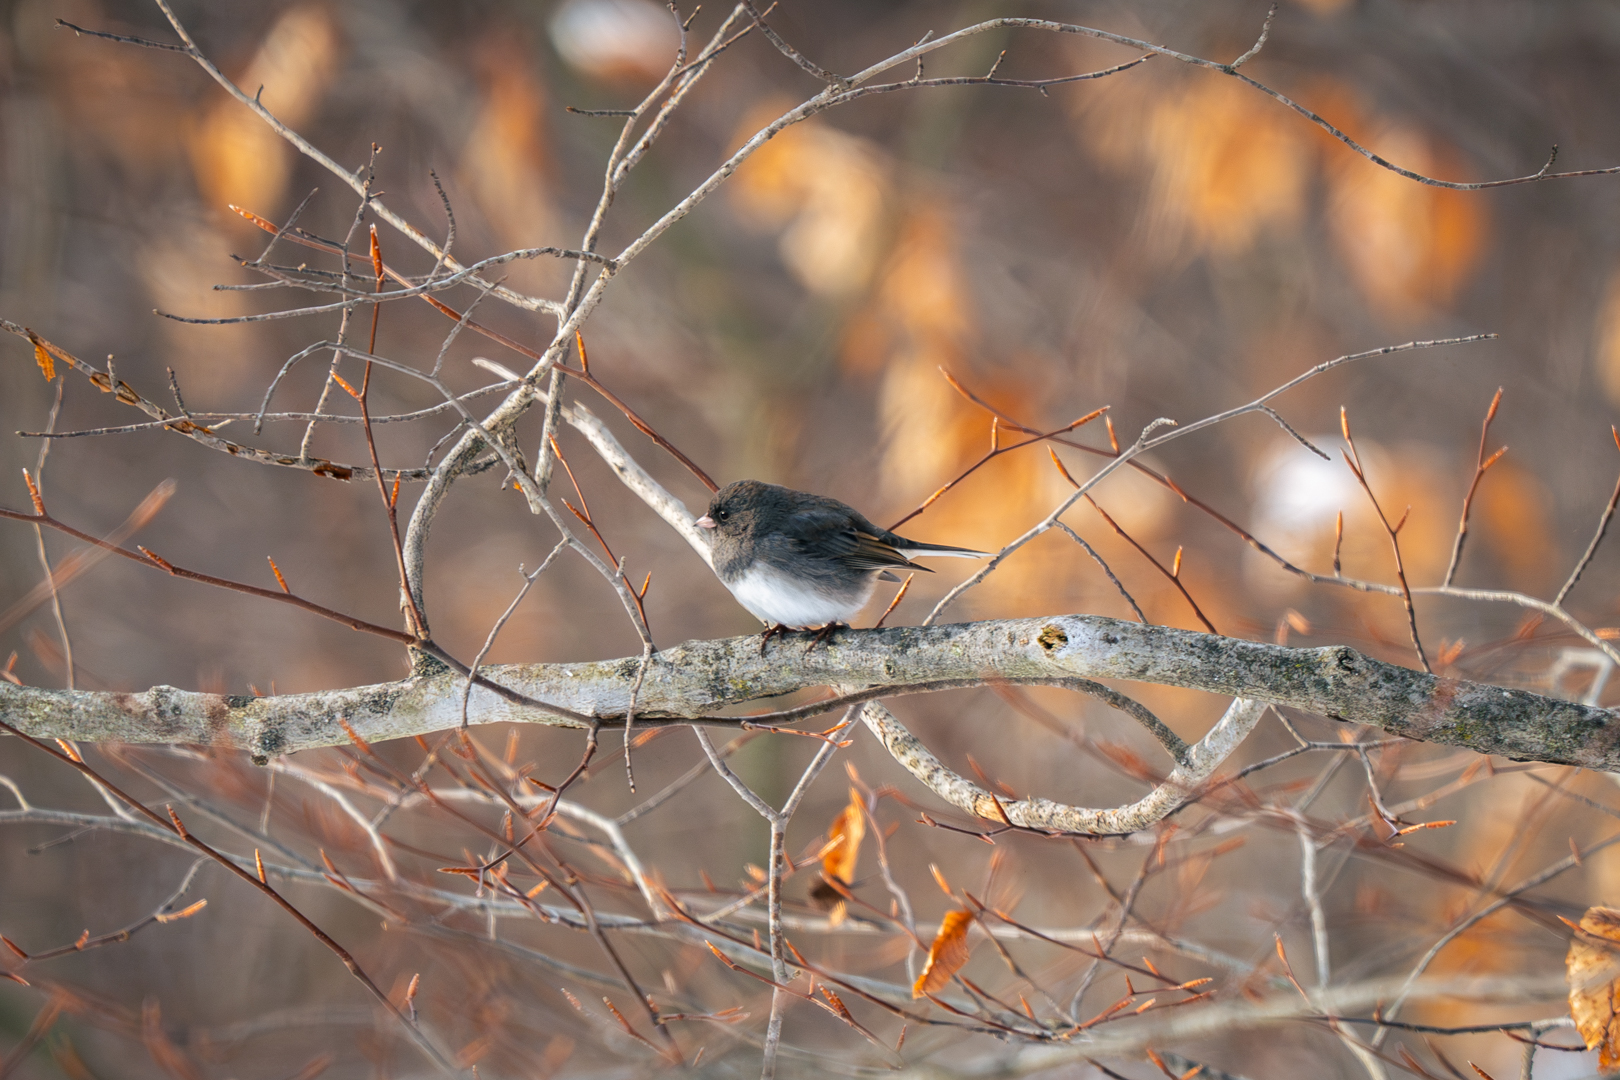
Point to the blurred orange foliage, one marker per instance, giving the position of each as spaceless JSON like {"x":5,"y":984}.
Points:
{"x":826,"y":191}
{"x":1607,"y":335}
{"x":1409,"y":246}
{"x":1226,"y":163}
{"x":1514,"y":509}
{"x":1229,"y":164}
{"x":235,"y":156}
{"x":505,"y":162}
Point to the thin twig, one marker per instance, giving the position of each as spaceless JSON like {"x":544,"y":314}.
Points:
{"x":39,"y":541}
{"x":1265,"y":32}
{"x":1098,"y":559}
{"x":1173,"y":578}
{"x":1597,"y":538}
{"x":1479,"y":472}
{"x":1352,"y":459}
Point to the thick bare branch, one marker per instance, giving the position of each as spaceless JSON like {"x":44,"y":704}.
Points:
{"x":696,"y":680}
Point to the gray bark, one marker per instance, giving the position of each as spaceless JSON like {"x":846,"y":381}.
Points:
{"x":697,"y":680}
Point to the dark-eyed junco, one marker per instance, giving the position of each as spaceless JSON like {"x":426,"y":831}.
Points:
{"x":799,"y":561}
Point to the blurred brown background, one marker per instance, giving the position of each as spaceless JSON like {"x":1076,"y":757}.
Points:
{"x":1164,"y":241}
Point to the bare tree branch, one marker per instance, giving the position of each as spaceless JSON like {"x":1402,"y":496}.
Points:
{"x":692,"y":682}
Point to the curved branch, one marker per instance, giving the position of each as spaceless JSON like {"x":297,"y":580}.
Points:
{"x":1203,"y":758}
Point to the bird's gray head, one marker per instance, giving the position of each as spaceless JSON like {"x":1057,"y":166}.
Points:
{"x":740,"y":509}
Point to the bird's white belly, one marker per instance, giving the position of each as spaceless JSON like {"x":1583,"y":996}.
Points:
{"x":777,"y":598}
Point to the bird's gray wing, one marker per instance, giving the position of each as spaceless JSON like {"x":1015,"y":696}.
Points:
{"x":830,"y":533}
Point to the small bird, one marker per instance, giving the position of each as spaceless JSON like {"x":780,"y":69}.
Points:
{"x":801,"y":561}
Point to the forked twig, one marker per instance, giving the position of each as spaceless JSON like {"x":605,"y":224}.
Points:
{"x":1352,"y":459}
{"x":1174,"y":577}
{"x":1098,"y":559}
{"x":996,"y":449}
{"x":1480,"y":466}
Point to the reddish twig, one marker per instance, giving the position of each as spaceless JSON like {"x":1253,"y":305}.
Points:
{"x":1353,"y":460}
{"x":584,"y":515}
{"x":1174,"y":577}
{"x":629,"y":414}
{"x":569,"y":888}
{"x":1480,"y":466}
{"x":147,"y":559}
{"x":107,"y":384}
{"x":996,"y":449}
{"x":413,"y":614}
{"x":1591,"y":549}
{"x":78,"y":562}
{"x":904,"y":585}
{"x":584,"y":511}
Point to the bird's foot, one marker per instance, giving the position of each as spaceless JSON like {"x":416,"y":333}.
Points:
{"x":823,"y":634}
{"x":765,"y":638}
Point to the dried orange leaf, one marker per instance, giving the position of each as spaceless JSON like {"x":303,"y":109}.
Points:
{"x":844,"y":841}
{"x":837,"y":1002}
{"x":946,"y":955}
{"x":185,"y":913}
{"x":46,"y":363}
{"x":1593,"y":969}
{"x":262,"y":223}
{"x":1424,"y":825}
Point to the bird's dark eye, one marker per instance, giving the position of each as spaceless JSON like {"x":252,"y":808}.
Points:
{"x":721,"y":515}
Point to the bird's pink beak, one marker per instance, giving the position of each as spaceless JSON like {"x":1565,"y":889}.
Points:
{"x":704,"y":522}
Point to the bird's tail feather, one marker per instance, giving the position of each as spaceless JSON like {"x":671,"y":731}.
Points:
{"x":913,"y":548}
